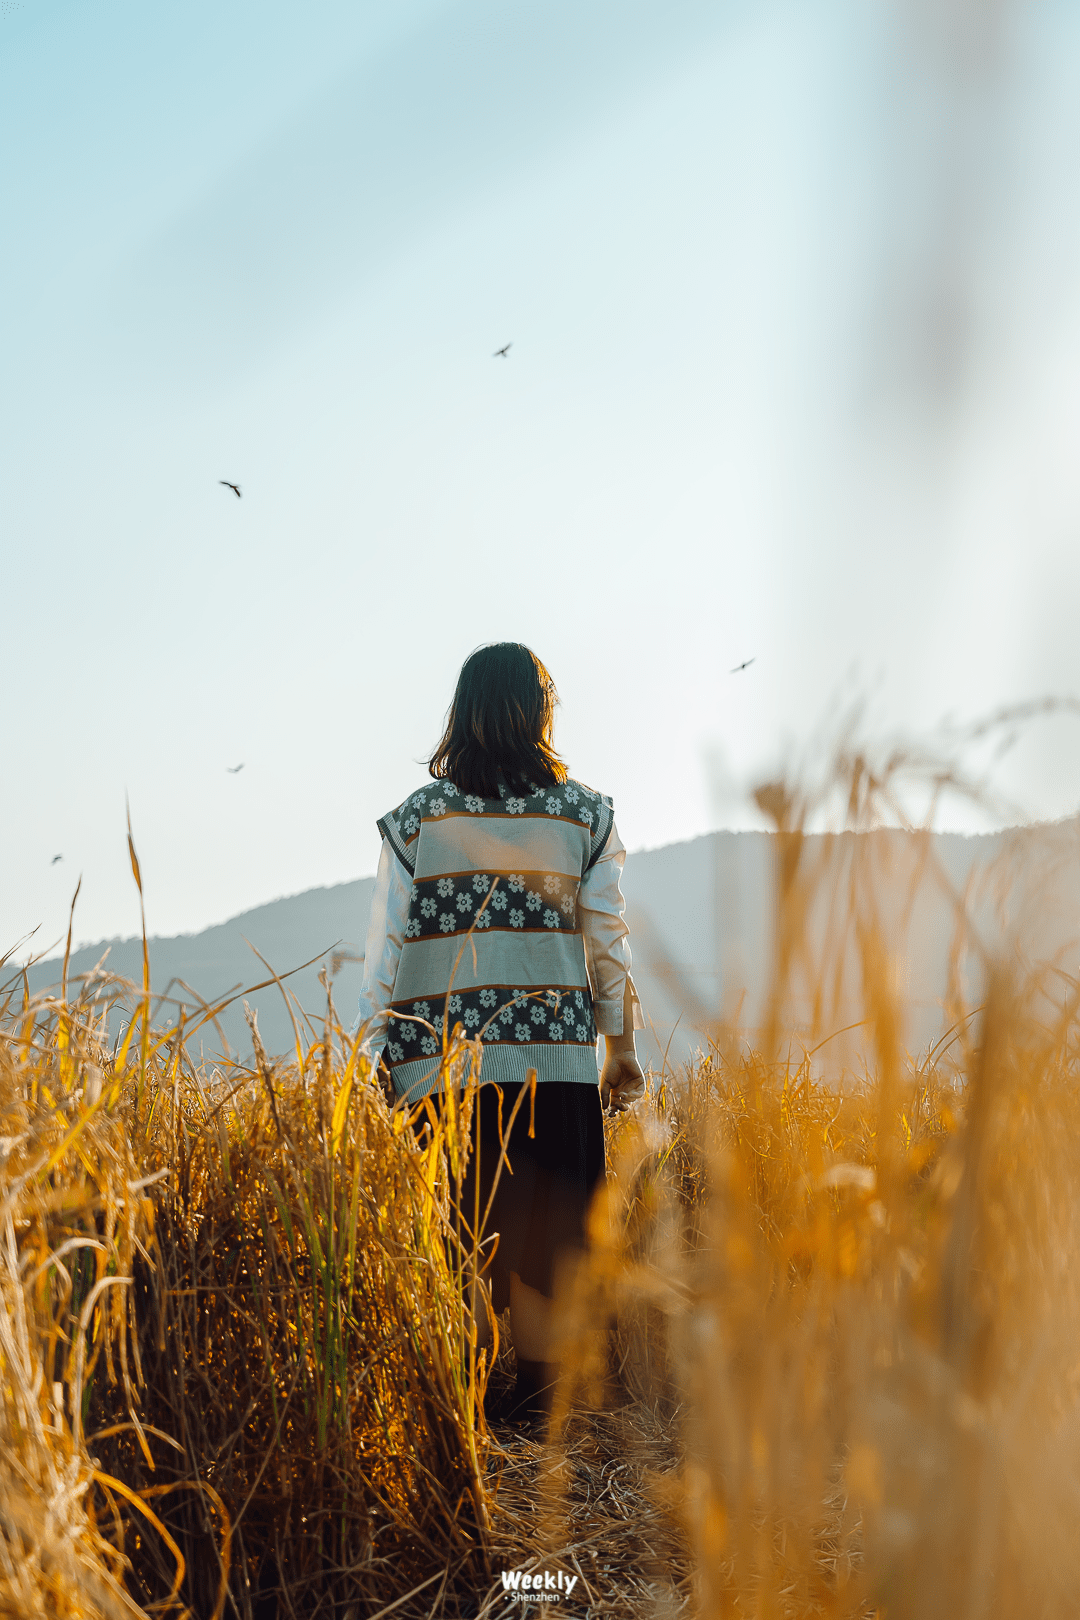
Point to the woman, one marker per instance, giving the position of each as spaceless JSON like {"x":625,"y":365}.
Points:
{"x":497,"y":906}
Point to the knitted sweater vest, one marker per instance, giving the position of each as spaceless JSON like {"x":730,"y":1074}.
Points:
{"x":493,"y":940}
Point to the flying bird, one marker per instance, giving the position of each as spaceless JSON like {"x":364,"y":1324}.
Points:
{"x":234,"y":487}
{"x":740,"y":667}
{"x":504,"y":351}
{"x":55,"y":859}
{"x":232,"y":769}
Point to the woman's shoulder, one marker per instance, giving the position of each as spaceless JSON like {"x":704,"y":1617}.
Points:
{"x":591,"y":795}
{"x":430,"y":799}
{"x":576,"y":801}
{"x":401,"y":826}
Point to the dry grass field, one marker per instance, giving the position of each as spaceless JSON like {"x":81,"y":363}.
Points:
{"x":824,"y":1359}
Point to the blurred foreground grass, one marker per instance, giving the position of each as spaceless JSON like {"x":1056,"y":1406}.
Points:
{"x":823,"y":1360}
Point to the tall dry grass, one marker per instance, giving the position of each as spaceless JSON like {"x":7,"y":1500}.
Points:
{"x":853,"y":1297}
{"x":861,"y":1326}
{"x":822,"y":1361}
{"x":238,"y":1370}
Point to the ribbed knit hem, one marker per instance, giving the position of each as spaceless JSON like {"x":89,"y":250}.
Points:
{"x":506,"y":1065}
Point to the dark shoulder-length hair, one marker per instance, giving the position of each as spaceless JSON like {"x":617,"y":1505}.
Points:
{"x":499,"y":725}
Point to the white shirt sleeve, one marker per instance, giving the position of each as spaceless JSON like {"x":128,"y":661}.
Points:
{"x":386,"y":931}
{"x":607,"y":947}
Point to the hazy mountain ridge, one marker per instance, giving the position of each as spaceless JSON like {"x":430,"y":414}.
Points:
{"x":701,"y":915}
{"x":218,"y":960}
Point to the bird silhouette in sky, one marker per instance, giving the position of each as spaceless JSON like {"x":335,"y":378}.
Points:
{"x":504,"y":351}
{"x":740,"y":667}
{"x":232,"y":769}
{"x":55,"y":859}
{"x":234,"y":487}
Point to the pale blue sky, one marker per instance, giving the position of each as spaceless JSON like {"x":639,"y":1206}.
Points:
{"x":279,"y":245}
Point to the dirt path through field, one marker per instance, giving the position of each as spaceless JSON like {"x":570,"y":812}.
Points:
{"x":597,"y":1506}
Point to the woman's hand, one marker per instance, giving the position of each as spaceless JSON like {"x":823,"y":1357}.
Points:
{"x":621,"y":1081}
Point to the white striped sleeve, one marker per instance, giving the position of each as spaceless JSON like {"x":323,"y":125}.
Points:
{"x":607,"y":945}
{"x":386,"y":932}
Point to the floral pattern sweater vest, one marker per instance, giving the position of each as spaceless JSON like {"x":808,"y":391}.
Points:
{"x":493,"y":940}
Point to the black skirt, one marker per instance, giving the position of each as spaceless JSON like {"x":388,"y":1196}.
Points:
{"x":539,"y":1212}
